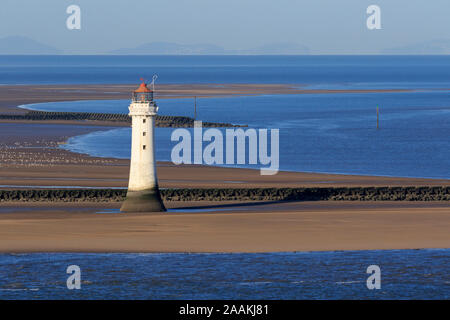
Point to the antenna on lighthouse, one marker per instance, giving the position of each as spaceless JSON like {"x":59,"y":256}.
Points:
{"x":155,"y":76}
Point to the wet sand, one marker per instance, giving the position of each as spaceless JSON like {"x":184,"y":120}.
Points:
{"x":99,"y":172}
{"x":11,"y":95}
{"x":301,"y":226}
{"x":29,"y":156}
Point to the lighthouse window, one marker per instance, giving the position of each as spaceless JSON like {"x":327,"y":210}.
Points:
{"x":144,"y":133}
{"x":143,"y":147}
{"x":143,"y":120}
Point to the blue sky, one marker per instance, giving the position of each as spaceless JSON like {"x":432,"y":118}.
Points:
{"x":325,"y":26}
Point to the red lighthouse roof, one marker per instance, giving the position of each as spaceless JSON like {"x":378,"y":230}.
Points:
{"x":143,"y":88}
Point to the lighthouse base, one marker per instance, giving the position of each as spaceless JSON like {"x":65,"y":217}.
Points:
{"x":143,"y":201}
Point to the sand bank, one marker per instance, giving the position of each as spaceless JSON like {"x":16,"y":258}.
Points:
{"x":300,"y":226}
{"x":14,"y":95}
{"x":98,"y":172}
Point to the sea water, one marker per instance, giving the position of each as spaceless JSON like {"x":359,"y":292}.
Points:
{"x":320,"y":133}
{"x":334,"y":133}
{"x":405,"y":274}
{"x":328,"y":133}
{"x":324,"y":72}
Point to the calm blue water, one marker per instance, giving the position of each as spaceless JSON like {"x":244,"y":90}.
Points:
{"x":405,"y":274}
{"x":314,"y":71}
{"x":334,"y":133}
{"x":319,"y":133}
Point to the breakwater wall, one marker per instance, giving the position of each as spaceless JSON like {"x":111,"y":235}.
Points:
{"x":252,"y":194}
{"x":160,"y":121}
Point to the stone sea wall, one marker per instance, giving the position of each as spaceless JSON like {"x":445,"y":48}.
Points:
{"x":161,"y":121}
{"x":255,"y":194}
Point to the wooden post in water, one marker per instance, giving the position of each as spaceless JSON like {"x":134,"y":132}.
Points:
{"x":195,"y":108}
{"x":378,"y":118}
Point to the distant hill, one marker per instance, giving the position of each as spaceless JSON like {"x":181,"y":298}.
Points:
{"x":163,"y":48}
{"x":23,"y":45}
{"x":18,"y":45}
{"x":169,"y":48}
{"x":282,"y":48}
{"x":434,"y":47}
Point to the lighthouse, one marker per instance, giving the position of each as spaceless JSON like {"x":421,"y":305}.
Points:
{"x":143,"y":193}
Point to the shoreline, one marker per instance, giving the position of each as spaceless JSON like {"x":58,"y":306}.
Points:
{"x":31,"y":156}
{"x":220,"y":253}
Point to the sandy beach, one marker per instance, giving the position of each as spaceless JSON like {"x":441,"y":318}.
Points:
{"x":30,"y":157}
{"x":275,"y":227}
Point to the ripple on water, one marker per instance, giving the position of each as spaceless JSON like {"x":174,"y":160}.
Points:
{"x":420,"y":274}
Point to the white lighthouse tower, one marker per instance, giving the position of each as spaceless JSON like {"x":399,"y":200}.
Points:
{"x":143,"y":193}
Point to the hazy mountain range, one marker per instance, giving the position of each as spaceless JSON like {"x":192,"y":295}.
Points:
{"x":18,"y":45}
{"x":22,"y":45}
{"x":162,"y":48}
{"x":441,"y":46}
